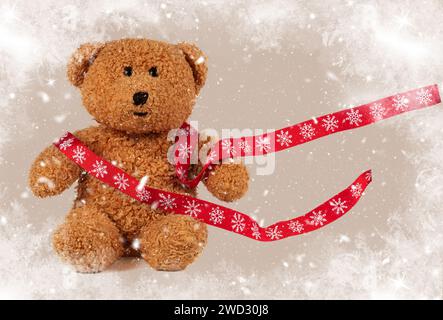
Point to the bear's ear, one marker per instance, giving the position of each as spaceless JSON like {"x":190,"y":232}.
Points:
{"x":197,"y":60}
{"x":80,"y":61}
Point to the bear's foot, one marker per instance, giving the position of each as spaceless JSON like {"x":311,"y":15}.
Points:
{"x":88,"y":240}
{"x":172,"y":242}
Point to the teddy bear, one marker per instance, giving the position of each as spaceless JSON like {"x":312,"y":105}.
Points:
{"x":137,"y":90}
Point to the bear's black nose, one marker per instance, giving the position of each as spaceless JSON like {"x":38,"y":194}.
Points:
{"x":140,"y":98}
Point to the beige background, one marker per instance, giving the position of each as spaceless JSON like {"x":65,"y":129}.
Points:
{"x":271,"y":64}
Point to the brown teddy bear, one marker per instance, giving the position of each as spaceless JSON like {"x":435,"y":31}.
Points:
{"x":137,"y":90}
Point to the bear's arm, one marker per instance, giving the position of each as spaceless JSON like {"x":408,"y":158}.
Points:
{"x":227,"y":181}
{"x":52,"y":172}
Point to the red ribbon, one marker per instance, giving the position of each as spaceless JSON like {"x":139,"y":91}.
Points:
{"x":282,"y":139}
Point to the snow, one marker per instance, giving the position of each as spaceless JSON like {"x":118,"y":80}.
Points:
{"x":47,"y":181}
{"x":143,"y":181}
{"x":200,"y":60}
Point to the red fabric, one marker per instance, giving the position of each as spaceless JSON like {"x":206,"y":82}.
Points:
{"x":235,"y":221}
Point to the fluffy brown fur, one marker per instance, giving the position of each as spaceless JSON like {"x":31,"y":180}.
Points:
{"x":103,"y":222}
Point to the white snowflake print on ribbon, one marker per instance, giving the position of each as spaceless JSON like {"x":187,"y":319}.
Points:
{"x":424,"y":96}
{"x":356,"y":190}
{"x":228,"y":147}
{"x":284,"y":138}
{"x":400,"y":103}
{"x":377,"y":111}
{"x":244,"y":145}
{"x":317,"y":218}
{"x":307,"y":131}
{"x":167,"y":202}
{"x":354,"y":117}
{"x":79,"y":154}
{"x":368,"y":176}
{"x":338,"y":206}
{"x":192,"y":208}
{"x":121,"y":181}
{"x":143,"y":194}
{"x":66,"y":144}
{"x":295,"y":226}
{"x":184,"y":132}
{"x":180,"y":172}
{"x":99,"y":169}
{"x":273,"y":233}
{"x":255,"y":231}
{"x":216,"y":215}
{"x":330,"y":123}
{"x":238,"y":223}
{"x":211,"y":156}
{"x":263,"y":144}
{"x":184,"y":151}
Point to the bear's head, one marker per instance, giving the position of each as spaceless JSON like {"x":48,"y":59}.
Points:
{"x":138,"y":85}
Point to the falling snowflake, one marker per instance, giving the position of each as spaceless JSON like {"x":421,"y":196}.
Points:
{"x":217,"y":215}
{"x":99,"y":169}
{"x":167,"y":202}
{"x":354,"y":117}
{"x":377,"y":111}
{"x":317,"y":218}
{"x":263,"y":144}
{"x":255,"y":231}
{"x":66,"y":144}
{"x":356,"y":190}
{"x":274,"y":233}
{"x":284,"y":138}
{"x":424,"y":96}
{"x":228,"y":147}
{"x":79,"y":154}
{"x":238,"y":223}
{"x":307,"y":131}
{"x":143,"y":194}
{"x":184,"y":151}
{"x":244,"y":145}
{"x":192,"y":208}
{"x":295,"y":226}
{"x":330,"y":123}
{"x":121,"y":181}
{"x":400,"y":103}
{"x":338,"y":206}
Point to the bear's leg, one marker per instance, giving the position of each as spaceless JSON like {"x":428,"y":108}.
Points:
{"x":88,"y":240}
{"x":172,"y":242}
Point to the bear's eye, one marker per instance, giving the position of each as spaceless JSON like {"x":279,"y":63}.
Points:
{"x":127,"y":71}
{"x":153,"y":72}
